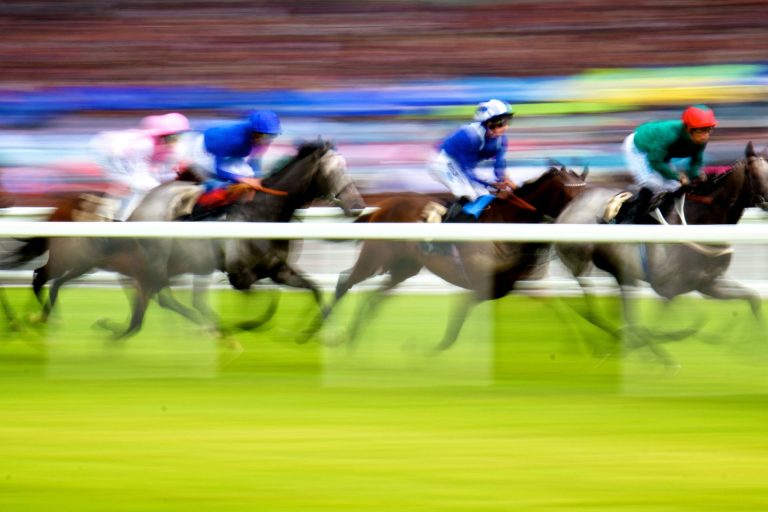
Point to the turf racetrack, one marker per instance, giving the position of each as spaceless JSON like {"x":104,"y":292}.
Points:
{"x":520,"y":415}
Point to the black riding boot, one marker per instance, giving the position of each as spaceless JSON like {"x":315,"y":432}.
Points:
{"x":650,"y":202}
{"x":635,"y":211}
{"x":456,"y":212}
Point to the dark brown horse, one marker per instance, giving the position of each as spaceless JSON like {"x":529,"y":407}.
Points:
{"x":670,"y":269}
{"x":489,"y":270}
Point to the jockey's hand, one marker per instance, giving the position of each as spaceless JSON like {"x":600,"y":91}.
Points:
{"x":254,"y":183}
{"x":505,"y":186}
{"x":684,"y":179}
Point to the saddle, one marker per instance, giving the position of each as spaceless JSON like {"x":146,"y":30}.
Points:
{"x":214,"y":203}
{"x":628,"y":208}
{"x":94,"y":208}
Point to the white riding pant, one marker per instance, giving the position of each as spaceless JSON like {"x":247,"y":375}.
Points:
{"x":642,"y":173}
{"x":447,"y":171}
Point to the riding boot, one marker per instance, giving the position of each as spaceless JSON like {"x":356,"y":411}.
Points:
{"x":642,"y":206}
{"x":455,"y":212}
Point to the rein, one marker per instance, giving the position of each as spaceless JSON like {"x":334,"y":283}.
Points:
{"x":518,"y":201}
{"x":699,"y":199}
{"x":270,"y":191}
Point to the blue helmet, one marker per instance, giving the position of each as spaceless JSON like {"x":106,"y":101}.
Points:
{"x":265,"y":121}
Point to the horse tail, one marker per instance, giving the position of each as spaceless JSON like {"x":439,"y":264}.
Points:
{"x":29,"y":250}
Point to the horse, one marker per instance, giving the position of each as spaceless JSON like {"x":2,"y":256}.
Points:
{"x":670,"y":269}
{"x":489,"y":270}
{"x":317,"y":171}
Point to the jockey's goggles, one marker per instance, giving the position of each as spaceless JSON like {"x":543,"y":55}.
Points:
{"x":498,"y":124}
{"x":169,"y":138}
{"x":263,"y":136}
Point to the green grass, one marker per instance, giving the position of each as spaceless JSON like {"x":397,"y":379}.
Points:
{"x":518,"y":416}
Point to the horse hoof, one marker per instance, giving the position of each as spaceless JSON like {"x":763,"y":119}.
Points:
{"x":106,"y":324}
{"x":333,"y":337}
{"x":15,"y":325}
{"x":36,"y":318}
{"x":231,"y":344}
{"x":303,"y":337}
{"x":672,"y":369}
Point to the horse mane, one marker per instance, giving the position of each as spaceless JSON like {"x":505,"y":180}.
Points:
{"x":303,"y":150}
{"x":708,"y":187}
{"x":533,"y":183}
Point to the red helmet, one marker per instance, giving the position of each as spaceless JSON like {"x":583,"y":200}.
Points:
{"x":699,"y":116}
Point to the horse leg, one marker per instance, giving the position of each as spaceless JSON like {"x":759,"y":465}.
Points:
{"x":140,"y":302}
{"x":665,"y":308}
{"x":167,"y":300}
{"x":727,"y":289}
{"x":200,"y":286}
{"x":13,"y":322}
{"x":286,"y":275}
{"x":39,"y":279}
{"x":250,"y":325}
{"x":591,"y":315}
{"x":369,"y":262}
{"x":53,"y":293}
{"x":456,"y":322}
{"x":635,"y":337}
{"x":399,"y":271}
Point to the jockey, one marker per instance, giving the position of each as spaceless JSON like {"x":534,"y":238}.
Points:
{"x":231,"y":153}
{"x":649,"y":150}
{"x":142,"y":158}
{"x":455,"y":164}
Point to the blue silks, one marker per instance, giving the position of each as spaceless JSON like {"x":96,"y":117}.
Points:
{"x":476,"y":207}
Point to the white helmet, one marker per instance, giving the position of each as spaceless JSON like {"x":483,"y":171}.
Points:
{"x":492,"y":108}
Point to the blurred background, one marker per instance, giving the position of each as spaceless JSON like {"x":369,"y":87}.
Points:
{"x":385,"y":80}
{"x":533,"y":409}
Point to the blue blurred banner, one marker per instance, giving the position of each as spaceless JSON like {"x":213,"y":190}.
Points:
{"x":600,"y":90}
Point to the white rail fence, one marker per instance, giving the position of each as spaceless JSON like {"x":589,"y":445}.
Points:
{"x":324,"y":260}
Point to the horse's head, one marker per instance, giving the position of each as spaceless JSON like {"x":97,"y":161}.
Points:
{"x":553,"y":190}
{"x":757,"y":175}
{"x":336,"y":183}
{"x":318,"y":171}
{"x":726,"y":195}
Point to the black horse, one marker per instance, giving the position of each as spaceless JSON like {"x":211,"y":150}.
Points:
{"x":317,"y":171}
{"x":670,"y":269}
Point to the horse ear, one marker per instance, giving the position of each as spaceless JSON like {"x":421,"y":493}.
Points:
{"x":750,"y":151}
{"x":585,"y":173}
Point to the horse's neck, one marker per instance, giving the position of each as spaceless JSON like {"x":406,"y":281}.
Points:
{"x":542,"y":198}
{"x":297,"y":189}
{"x":295,"y":180}
{"x":728,"y":200}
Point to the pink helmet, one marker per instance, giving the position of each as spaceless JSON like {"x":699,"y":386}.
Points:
{"x":166,"y":124}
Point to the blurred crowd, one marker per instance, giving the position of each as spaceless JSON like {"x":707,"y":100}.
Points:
{"x":385,"y":80}
{"x":247,"y":44}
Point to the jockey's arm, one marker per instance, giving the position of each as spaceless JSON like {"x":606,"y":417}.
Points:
{"x":664,"y":169}
{"x":657,"y":159}
{"x":697,"y":161}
